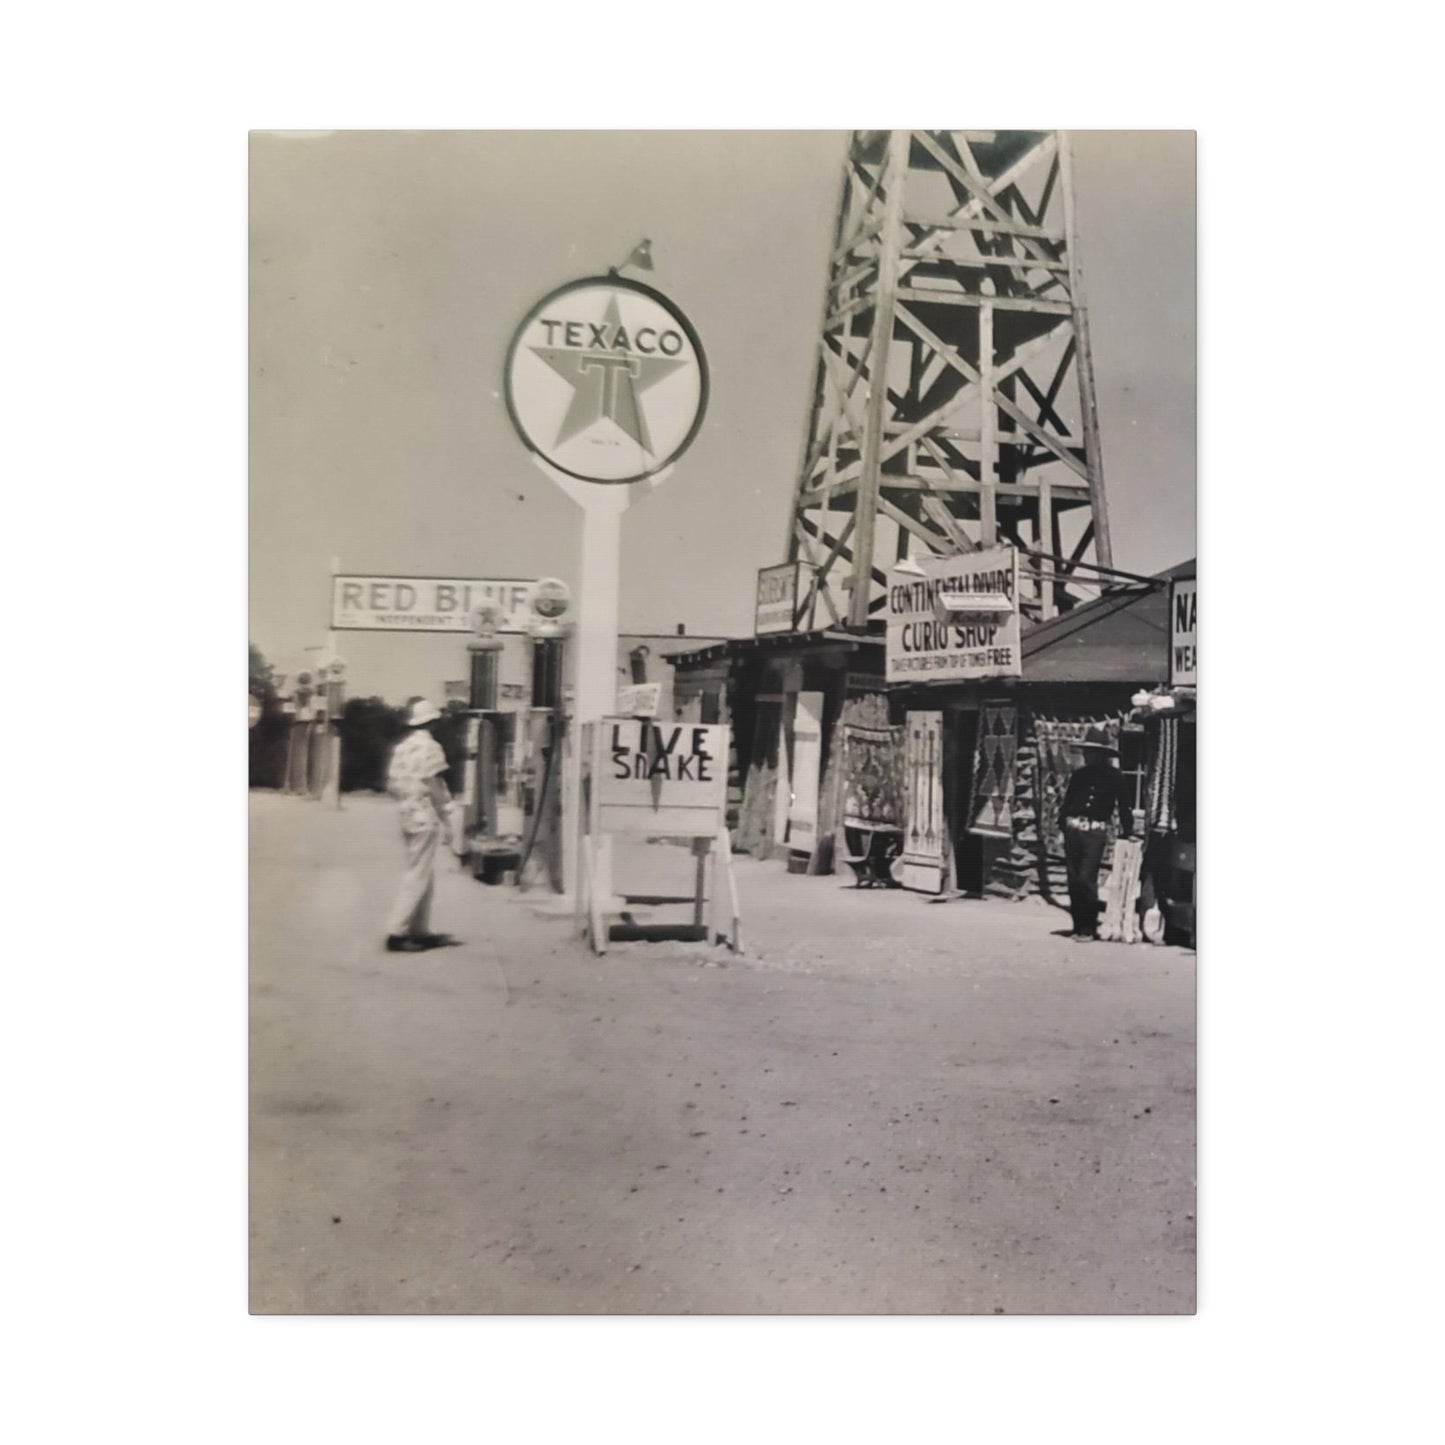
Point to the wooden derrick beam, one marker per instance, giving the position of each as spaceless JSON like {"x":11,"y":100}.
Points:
{"x":896,"y":166}
{"x":1044,"y":149}
{"x":1033,"y":212}
{"x":936,"y":542}
{"x":988,"y":443}
{"x":1082,"y":546}
{"x":1047,"y":398}
{"x":982,"y":446}
{"x":1010,"y":409}
{"x":838,"y":543}
{"x":987,"y":225}
{"x":1088,"y":403}
{"x":842,"y":552}
{"x":1042,"y":306}
{"x":934,"y":448}
{"x":867,"y":184}
{"x":858,"y":303}
{"x":965,"y":393}
{"x":845,"y":393}
{"x":938,"y":512}
{"x":847,"y":278}
{"x":965,"y":485}
{"x":864,"y":233}
{"x":980,"y":263}
{"x":983,"y":195}
{"x":819,"y":437}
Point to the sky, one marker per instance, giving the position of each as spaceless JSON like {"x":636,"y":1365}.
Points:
{"x":390,"y":269}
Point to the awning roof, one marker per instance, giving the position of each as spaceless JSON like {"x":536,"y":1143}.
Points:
{"x":771,"y":642}
{"x":1122,"y":636}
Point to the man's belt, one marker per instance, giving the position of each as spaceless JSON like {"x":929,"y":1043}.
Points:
{"x":1086,"y":825}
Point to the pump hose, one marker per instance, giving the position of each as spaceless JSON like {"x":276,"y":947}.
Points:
{"x":545,"y":793}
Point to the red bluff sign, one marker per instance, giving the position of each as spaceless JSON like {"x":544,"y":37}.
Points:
{"x":606,"y":381}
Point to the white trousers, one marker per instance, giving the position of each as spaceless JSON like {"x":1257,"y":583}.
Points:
{"x":411,"y":913}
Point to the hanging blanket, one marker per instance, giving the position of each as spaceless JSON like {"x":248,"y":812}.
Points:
{"x":1057,"y":759}
{"x":991,"y":808}
{"x":872,"y":777}
{"x":1163,"y":774}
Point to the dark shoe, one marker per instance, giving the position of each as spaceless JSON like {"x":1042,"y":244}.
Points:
{"x":435,"y":940}
{"x":397,"y":943}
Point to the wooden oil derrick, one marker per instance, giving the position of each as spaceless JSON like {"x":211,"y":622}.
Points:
{"x":953,"y":398}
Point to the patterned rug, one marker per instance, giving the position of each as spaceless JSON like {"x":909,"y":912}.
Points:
{"x":991,"y":808}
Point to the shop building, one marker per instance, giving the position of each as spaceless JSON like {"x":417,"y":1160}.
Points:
{"x":941,"y":783}
{"x":987,"y":760}
{"x":784,"y":696}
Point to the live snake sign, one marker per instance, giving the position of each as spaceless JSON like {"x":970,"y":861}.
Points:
{"x":658,"y":779}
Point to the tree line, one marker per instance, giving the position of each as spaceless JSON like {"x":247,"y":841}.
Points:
{"x":369,"y":728}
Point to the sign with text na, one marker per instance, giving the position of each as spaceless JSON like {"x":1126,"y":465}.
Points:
{"x":657,"y":779}
{"x":957,"y":621}
{"x":1183,"y":632}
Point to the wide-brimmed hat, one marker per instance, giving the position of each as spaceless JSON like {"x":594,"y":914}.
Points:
{"x":1099,"y":740}
{"x":422,"y":712}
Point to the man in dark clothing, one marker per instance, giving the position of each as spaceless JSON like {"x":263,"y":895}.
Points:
{"x":1096,"y":791}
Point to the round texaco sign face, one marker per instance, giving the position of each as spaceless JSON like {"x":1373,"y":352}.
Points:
{"x":606,"y":380}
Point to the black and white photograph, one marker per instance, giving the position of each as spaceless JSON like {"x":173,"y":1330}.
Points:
{"x":702,"y":938}
{"x":721,"y":718}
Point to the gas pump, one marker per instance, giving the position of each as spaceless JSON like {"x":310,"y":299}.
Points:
{"x":541,"y":859}
{"x":335,"y":674}
{"x":494,"y":822}
{"x":298,"y":736}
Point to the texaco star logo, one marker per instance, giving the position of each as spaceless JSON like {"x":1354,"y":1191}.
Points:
{"x":606,"y":381}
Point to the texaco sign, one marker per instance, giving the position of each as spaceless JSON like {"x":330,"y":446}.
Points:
{"x":606,"y":380}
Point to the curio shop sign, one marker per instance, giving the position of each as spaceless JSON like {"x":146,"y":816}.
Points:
{"x":958,"y":620}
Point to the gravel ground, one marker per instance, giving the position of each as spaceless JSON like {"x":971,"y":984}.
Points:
{"x":880,"y":1105}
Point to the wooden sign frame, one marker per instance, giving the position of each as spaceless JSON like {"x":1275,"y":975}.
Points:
{"x":716,"y":914}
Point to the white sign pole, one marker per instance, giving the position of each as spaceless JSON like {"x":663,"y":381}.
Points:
{"x":606,"y":385}
{"x":595,"y":654}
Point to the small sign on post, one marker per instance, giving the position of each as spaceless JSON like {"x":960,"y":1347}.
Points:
{"x":779,"y":596}
{"x":641,"y":699}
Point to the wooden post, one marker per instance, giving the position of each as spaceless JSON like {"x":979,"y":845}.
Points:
{"x":865,"y":501}
{"x":1047,"y":606}
{"x":988,"y":429}
{"x":699,"y":882}
{"x":724,"y":912}
{"x":820,"y":379}
{"x":1088,"y":402}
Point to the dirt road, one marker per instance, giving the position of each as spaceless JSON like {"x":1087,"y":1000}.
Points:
{"x":882,"y":1105}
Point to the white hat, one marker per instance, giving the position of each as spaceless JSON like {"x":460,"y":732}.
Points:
{"x":422,"y":712}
